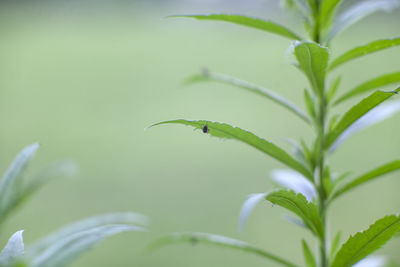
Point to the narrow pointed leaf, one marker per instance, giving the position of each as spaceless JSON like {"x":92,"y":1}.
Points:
{"x":369,"y":176}
{"x":223,"y":130}
{"x":328,"y":9}
{"x":362,"y":244}
{"x":369,"y":85}
{"x":248,"y":207}
{"x":308,"y":255}
{"x":14,"y":249}
{"x":333,"y":89}
{"x":298,"y":204}
{"x":374,"y":116}
{"x":356,"y":112}
{"x":13,"y":177}
{"x":87,"y":224}
{"x":255,"y":23}
{"x":217,"y":240}
{"x":62,"y":252}
{"x":310,"y":104}
{"x":335,"y":245}
{"x":359,"y":11}
{"x":23,"y":190}
{"x":207,"y":76}
{"x":364,"y":50}
{"x":313,"y":61}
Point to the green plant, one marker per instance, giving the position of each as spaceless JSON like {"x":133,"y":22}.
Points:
{"x":310,"y":185}
{"x":65,"y":245}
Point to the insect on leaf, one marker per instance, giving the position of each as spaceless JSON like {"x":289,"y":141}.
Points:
{"x":217,"y":240}
{"x":362,"y":244}
{"x":207,"y":76}
{"x":299,"y":205}
{"x":255,"y":23}
{"x":226,"y":131}
{"x":364,"y":50}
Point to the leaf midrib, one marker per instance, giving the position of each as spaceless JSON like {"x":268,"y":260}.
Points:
{"x":370,"y":241}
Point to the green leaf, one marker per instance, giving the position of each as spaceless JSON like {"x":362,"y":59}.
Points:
{"x":207,"y":76}
{"x":254,"y":23}
{"x":63,"y":247}
{"x":14,"y":250}
{"x":223,"y":130}
{"x":359,"y":11}
{"x":298,"y":204}
{"x":333,"y":89}
{"x":369,"y":176}
{"x":221,"y":241}
{"x":335,"y":245}
{"x":364,"y":50}
{"x":364,"y":243}
{"x":308,"y":255}
{"x":313,"y":61}
{"x":327,"y":12}
{"x":369,"y":85}
{"x":356,"y":112}
{"x":310,"y":104}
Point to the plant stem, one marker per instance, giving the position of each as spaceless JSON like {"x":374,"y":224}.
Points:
{"x":322,"y":114}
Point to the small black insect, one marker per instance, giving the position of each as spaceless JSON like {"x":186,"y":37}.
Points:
{"x":205,"y":129}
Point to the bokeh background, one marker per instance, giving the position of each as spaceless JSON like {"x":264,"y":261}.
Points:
{"x":85,"y":78}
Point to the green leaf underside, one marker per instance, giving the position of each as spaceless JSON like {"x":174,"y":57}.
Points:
{"x":357,"y":12}
{"x":371,"y":175}
{"x":369,"y":85}
{"x":356,"y":112}
{"x":64,"y":251}
{"x":67,"y":244}
{"x":225,"y":79}
{"x":222,"y":241}
{"x":226,"y":131}
{"x":313,"y":61}
{"x":12,"y":182}
{"x":298,"y":204}
{"x":372,"y":47}
{"x":364,"y":243}
{"x":255,"y":23}
{"x":308,"y":255}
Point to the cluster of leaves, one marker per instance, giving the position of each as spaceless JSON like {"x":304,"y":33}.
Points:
{"x":308,"y":185}
{"x":65,"y":245}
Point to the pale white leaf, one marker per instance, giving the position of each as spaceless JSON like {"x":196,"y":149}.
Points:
{"x":248,"y":207}
{"x":295,"y":181}
{"x":13,"y":250}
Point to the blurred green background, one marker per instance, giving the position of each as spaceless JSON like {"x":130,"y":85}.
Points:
{"x":85,"y":78}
